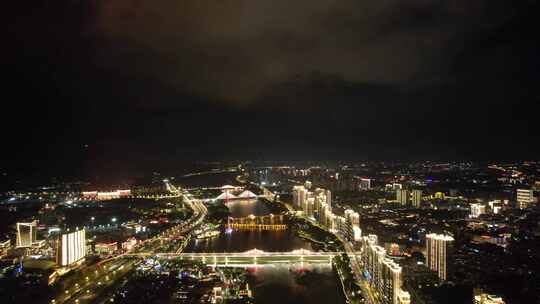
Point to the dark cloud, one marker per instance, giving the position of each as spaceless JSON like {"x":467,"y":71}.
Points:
{"x":311,"y":79}
{"x":237,"y":49}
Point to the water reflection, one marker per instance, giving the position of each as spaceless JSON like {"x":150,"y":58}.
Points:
{"x":240,"y":241}
{"x":243,"y":208}
{"x":284,"y":284}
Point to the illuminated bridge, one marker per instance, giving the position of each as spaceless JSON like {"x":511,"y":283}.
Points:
{"x":252,"y":257}
{"x":267,"y":222}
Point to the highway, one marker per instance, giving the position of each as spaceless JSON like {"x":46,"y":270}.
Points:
{"x":86,"y":288}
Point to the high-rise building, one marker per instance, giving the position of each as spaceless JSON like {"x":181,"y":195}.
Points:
{"x":437,"y":251}
{"x":71,"y":248}
{"x":402,"y":196}
{"x":331,"y":221}
{"x":322,"y":214}
{"x":382,"y":273}
{"x":352,"y":217}
{"x":477,"y":210}
{"x":307,"y":184}
{"x":317,"y":205}
{"x":308,"y":207}
{"x":300,"y":195}
{"x":352,"y":222}
{"x":391,"y":285}
{"x":296,"y":196}
{"x":416,"y":198}
{"x":329,"y":199}
{"x":524,"y":197}
{"x":318,"y":200}
{"x":341,"y":227}
{"x":26,"y":234}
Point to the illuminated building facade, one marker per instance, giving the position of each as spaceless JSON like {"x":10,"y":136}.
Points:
{"x":352,"y":221}
{"x":26,"y":234}
{"x":317,"y":205}
{"x":477,"y":210}
{"x":495,"y":206}
{"x":4,"y":247}
{"x":129,"y":244}
{"x":299,"y":195}
{"x":364,"y":184}
{"x":328,"y":197}
{"x":439,"y":195}
{"x":403,"y":297}
{"x":416,"y":196}
{"x":437,"y":249}
{"x":106,"y":248}
{"x":71,"y":248}
{"x":402,"y":196}
{"x":108,"y":195}
{"x":382,"y":273}
{"x":524,"y":198}
{"x":308,"y":207}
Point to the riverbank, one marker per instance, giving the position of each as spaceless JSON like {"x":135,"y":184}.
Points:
{"x":305,"y":236}
{"x":275,"y":207}
{"x":328,"y":241}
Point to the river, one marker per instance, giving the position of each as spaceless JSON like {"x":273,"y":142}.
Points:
{"x":313,"y":284}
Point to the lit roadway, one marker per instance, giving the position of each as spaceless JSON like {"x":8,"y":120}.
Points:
{"x":91,"y":283}
{"x":357,"y":270}
{"x":355,"y":266}
{"x":211,"y":172}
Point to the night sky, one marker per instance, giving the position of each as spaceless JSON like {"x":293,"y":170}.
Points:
{"x":108,"y":86}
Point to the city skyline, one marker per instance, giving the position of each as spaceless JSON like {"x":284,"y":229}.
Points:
{"x":254,"y":152}
{"x":389,"y":233}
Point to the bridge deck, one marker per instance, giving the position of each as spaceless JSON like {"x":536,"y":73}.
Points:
{"x":248,"y":254}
